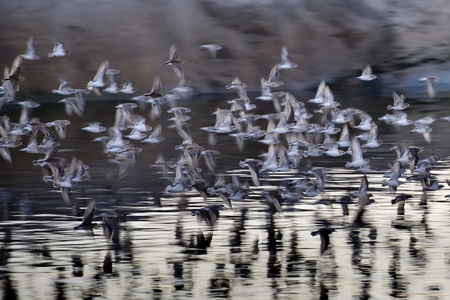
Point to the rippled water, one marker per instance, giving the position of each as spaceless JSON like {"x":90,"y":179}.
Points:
{"x":164,"y":252}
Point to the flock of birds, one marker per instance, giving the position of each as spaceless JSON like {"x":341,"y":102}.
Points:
{"x":289,"y":135}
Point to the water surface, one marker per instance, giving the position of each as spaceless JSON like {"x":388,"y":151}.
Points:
{"x":162,"y":251}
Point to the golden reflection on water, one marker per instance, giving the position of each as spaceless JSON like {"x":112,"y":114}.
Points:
{"x":164,"y":252}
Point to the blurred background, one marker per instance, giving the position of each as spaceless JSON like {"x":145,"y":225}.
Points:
{"x":330,"y":40}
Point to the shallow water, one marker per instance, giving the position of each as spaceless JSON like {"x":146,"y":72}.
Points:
{"x":162,"y":251}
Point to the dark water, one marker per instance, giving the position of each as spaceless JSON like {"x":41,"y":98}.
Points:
{"x":162,"y":251}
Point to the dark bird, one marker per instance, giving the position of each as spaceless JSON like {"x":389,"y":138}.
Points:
{"x":87,"y":224}
{"x":253,"y":166}
{"x":324,"y":238}
{"x":274,"y":199}
{"x":201,"y":186}
{"x":156,"y":91}
{"x":400,"y":198}
{"x":209,"y":213}
{"x":13,"y":73}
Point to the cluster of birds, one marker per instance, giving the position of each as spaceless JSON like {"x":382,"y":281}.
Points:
{"x":289,"y":134}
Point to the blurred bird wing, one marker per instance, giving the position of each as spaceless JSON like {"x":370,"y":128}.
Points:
{"x":31,"y":47}
{"x":89,"y":213}
{"x":101,"y":71}
{"x":367,"y":71}
{"x":157,"y":86}
{"x":16,"y":66}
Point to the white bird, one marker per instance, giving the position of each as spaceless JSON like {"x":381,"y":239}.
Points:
{"x":367,"y":74}
{"x":424,"y":129}
{"x":60,"y":127}
{"x":266,"y":92}
{"x":401,"y":119}
{"x":27,"y":105}
{"x":430,"y":80}
{"x":113,"y":86}
{"x":366,"y":121}
{"x":319,"y":98}
{"x":239,"y":86}
{"x":274,"y":75}
{"x":357,"y":155}
{"x":285,"y":61}
{"x":138,"y":123}
{"x":94,"y":127}
{"x":155,"y":137}
{"x":372,"y":141}
{"x":393,"y":182}
{"x":334,"y":151}
{"x":30,"y":52}
{"x":74,"y":104}
{"x":213,"y":49}
{"x":328,"y":98}
{"x":128,"y":88}
{"x":98,"y":80}
{"x":399,"y":102}
{"x":136,"y":135}
{"x":58,"y":50}
{"x":344,"y":139}
{"x":64,"y":88}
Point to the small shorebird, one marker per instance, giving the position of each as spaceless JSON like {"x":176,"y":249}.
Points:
{"x":173,"y":57}
{"x":64,"y":88}
{"x":357,"y":155}
{"x":88,"y":216}
{"x":113,"y":86}
{"x":213,"y":49}
{"x":430,"y":80}
{"x":58,"y":50}
{"x":367,"y":74}
{"x":128,"y":88}
{"x":399,"y":102}
{"x":12,"y":74}
{"x":274,"y":75}
{"x":74,"y":104}
{"x":30,"y":52}
{"x":209,"y":213}
{"x":27,"y":105}
{"x":253,"y":166}
{"x":94,"y":127}
{"x":400,"y":198}
{"x":285,"y":61}
{"x":98,"y":80}
{"x":156,"y":91}
{"x":393,"y":182}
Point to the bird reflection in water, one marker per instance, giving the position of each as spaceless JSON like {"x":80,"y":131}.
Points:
{"x":77,"y":266}
{"x":219,"y":284}
{"x":8,"y":288}
{"x":241,"y":259}
{"x":107,"y":264}
{"x":398,"y":283}
{"x":362,"y":259}
{"x":295,"y":261}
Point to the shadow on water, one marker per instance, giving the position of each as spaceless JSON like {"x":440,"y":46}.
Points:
{"x":150,"y":243}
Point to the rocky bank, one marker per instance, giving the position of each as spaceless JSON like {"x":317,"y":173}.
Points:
{"x":330,"y":40}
